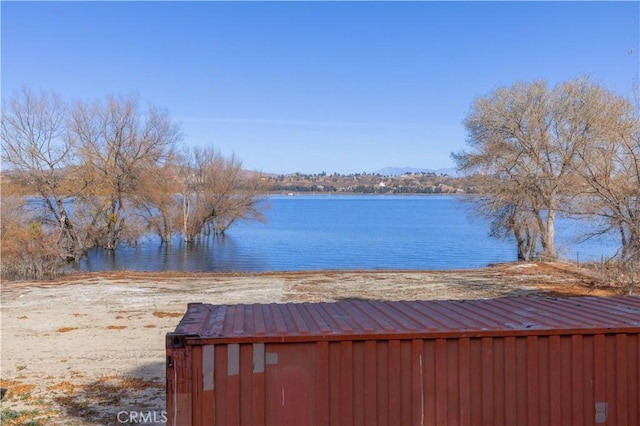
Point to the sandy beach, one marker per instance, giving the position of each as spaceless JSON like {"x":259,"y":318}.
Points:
{"x":85,"y":349}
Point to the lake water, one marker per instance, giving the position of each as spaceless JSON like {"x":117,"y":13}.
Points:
{"x":310,"y":232}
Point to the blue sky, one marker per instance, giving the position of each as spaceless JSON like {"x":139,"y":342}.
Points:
{"x":316,"y":86}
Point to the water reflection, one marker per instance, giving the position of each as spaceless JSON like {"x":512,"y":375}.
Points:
{"x":216,"y":253}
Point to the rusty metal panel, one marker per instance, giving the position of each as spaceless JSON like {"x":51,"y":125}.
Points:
{"x":371,"y":319}
{"x":498,"y":362}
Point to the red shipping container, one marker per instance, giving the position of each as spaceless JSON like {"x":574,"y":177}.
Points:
{"x":572,"y":361}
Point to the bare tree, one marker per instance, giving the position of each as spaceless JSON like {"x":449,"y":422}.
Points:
{"x":611,"y":172}
{"x":512,"y":213}
{"x":159,"y":203}
{"x":39,"y":155}
{"x":216,"y":192}
{"x":118,"y":145}
{"x":530,"y":136}
{"x":246,"y":202}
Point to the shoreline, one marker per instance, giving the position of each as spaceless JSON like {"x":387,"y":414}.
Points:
{"x":586,"y":267}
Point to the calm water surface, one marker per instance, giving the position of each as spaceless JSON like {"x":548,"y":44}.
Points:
{"x":345,"y":232}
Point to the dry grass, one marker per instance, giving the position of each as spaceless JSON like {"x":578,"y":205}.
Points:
{"x":98,"y":402}
{"x":66,"y":388}
{"x":137,"y":383}
{"x":27,"y":417}
{"x":168,"y":314}
{"x":17,"y":389}
{"x":66,"y":403}
{"x":66,"y":329}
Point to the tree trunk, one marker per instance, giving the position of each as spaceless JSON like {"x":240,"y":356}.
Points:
{"x":167,"y":230}
{"x":550,"y":251}
{"x":69,"y":243}
{"x":186,"y":208}
{"x":549,"y":234}
{"x":114,"y":224}
{"x":522,"y":247}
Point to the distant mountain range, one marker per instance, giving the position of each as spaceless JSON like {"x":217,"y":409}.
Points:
{"x":398,"y":171}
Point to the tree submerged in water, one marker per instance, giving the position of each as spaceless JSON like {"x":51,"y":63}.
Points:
{"x":106,"y":173}
{"x":216,"y":192}
{"x":203,"y":193}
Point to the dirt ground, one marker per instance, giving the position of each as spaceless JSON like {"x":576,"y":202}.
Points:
{"x":89,"y":349}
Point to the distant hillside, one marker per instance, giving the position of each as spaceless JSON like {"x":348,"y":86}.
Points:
{"x":411,"y":181}
{"x":399,"y":171}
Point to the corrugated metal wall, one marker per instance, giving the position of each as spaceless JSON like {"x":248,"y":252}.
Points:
{"x":532,"y":380}
{"x":224,"y":366}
